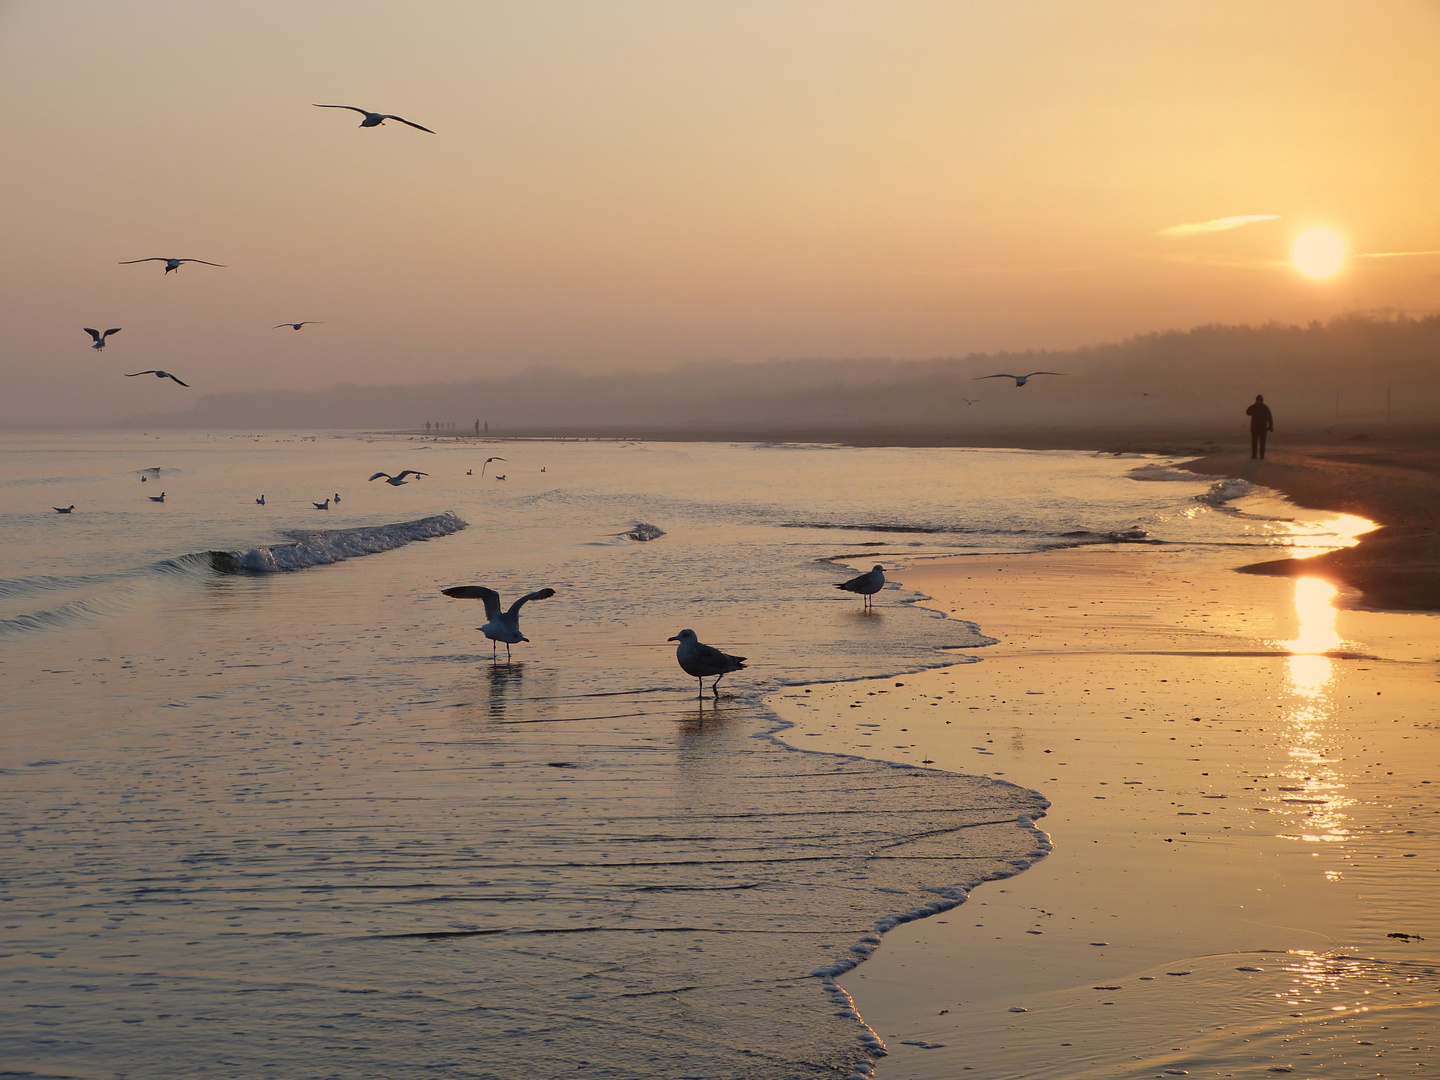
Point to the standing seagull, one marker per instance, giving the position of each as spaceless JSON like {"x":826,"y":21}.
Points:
{"x":1020,"y":380}
{"x":297,"y":325}
{"x":321,"y":506}
{"x":157,"y":373}
{"x":867,"y":585}
{"x":702,"y":660}
{"x":500,"y":625}
{"x":487,"y":462}
{"x":170,"y":264}
{"x":99,"y":337}
{"x":396,"y":481}
{"x":260,"y":501}
{"x":373,"y":119}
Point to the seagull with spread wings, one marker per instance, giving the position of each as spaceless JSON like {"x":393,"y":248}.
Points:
{"x":297,"y":325}
{"x":157,"y":373}
{"x":100,"y":337}
{"x":373,"y":119}
{"x":1020,"y":380}
{"x":170,"y":264}
{"x":396,"y":481}
{"x":500,"y":625}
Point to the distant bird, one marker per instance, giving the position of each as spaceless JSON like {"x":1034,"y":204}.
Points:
{"x":1020,"y":380}
{"x":144,"y":479}
{"x":500,"y":625}
{"x":170,"y":264}
{"x":156,"y":498}
{"x":373,"y":119}
{"x":396,"y":481}
{"x":542,"y":468}
{"x":157,"y":373}
{"x":260,"y":501}
{"x":99,"y":337}
{"x":500,"y":477}
{"x":487,"y":462}
{"x":63,"y":509}
{"x":321,"y":506}
{"x":468,"y":472}
{"x":297,"y":325}
{"x":702,"y":660}
{"x":337,"y":498}
{"x":969,"y":400}
{"x":867,"y":584}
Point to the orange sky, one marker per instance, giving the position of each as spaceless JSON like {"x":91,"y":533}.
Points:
{"x":621,"y":185}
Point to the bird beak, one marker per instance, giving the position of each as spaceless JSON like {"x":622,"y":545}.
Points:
{"x":675,"y":638}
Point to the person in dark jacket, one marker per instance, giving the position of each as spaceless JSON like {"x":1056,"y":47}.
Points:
{"x":1262,"y":422}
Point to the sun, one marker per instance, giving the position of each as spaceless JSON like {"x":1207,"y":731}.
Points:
{"x":1318,"y":252}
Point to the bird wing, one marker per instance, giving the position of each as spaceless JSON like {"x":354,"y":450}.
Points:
{"x":408,"y":472}
{"x":378,"y":475}
{"x":713,"y":657}
{"x":132,"y":374}
{"x":352,"y":108}
{"x":404,"y":121}
{"x":112,"y":330}
{"x":278,"y":325}
{"x":201,"y":261}
{"x":1045,"y":373}
{"x":167,"y":375}
{"x":94,"y":333}
{"x":478,"y":592}
{"x":543,"y":594}
{"x":497,"y":459}
{"x":1001,"y":376}
{"x":153,"y":258}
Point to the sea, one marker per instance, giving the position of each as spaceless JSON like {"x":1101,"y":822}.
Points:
{"x":271,"y":804}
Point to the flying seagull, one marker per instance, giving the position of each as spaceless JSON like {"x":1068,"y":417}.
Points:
{"x":396,"y":481}
{"x":321,"y":506}
{"x":373,"y":119}
{"x":156,"y":498}
{"x":500,"y":625}
{"x":157,"y":373}
{"x":702,"y":660}
{"x":1020,"y":380}
{"x":487,"y":462}
{"x":63,"y":509}
{"x":99,"y":337}
{"x":170,"y":264}
{"x":297,"y":325}
{"x":969,"y":400}
{"x":867,"y":585}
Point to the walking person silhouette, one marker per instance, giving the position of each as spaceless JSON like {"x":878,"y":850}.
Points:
{"x":1262,"y":422}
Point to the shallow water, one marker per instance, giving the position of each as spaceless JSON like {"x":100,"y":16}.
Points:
{"x":300,"y":823}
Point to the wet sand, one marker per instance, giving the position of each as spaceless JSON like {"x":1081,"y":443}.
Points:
{"x":1241,"y":823}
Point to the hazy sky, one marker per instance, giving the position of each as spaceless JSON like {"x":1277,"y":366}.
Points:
{"x":625,"y":184}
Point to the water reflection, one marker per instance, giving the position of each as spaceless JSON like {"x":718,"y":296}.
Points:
{"x":1309,"y":539}
{"x":1310,"y":668}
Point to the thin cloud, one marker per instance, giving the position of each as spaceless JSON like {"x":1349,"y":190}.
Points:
{"x":1216,"y":225}
{"x":1392,"y":254}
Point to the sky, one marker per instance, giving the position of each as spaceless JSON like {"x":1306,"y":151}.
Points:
{"x":629,"y":185}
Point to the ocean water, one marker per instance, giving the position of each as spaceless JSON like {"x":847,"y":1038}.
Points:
{"x":270,"y":808}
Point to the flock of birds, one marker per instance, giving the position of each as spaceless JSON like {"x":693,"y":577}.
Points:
{"x":696,"y":659}
{"x":372,"y":119}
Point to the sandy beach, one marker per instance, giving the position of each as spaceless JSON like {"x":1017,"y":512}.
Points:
{"x":1241,"y":820}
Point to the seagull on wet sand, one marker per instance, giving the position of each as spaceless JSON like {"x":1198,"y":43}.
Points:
{"x":487,"y":462}
{"x":157,"y":373}
{"x":63,"y":509}
{"x":297,"y":325}
{"x":260,"y":501}
{"x":500,"y":625}
{"x":156,"y":498}
{"x":700,"y":660}
{"x":1020,"y":380}
{"x":170,"y":264}
{"x":373,"y":119}
{"x":99,"y":337}
{"x":320,"y":506}
{"x":867,"y":584}
{"x":396,"y":481}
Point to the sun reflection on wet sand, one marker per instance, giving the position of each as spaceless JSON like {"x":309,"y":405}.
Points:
{"x":1309,"y":539}
{"x":1313,"y":785}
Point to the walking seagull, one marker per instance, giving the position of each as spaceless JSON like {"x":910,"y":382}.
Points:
{"x":99,"y":337}
{"x":701,"y":660}
{"x":867,"y":585}
{"x":64,"y":509}
{"x":396,"y":481}
{"x":1020,"y":380}
{"x":487,"y":462}
{"x":157,"y":373}
{"x":170,"y":264}
{"x":500,"y":625}
{"x":373,"y":119}
{"x":297,"y":325}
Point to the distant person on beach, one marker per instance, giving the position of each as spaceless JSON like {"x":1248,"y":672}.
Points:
{"x":1262,"y":422}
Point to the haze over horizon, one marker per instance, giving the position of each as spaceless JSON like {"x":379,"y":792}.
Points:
{"x":636,"y":186}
